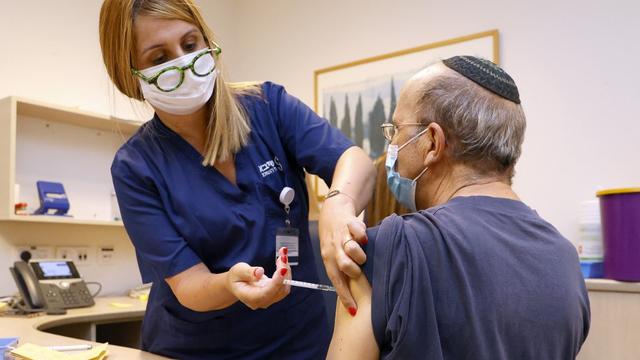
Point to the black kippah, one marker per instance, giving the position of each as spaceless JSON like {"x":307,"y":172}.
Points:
{"x":486,"y":74}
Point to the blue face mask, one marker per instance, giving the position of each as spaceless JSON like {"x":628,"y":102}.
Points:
{"x":403,"y":189}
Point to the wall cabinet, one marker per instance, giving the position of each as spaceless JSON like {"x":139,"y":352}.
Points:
{"x":615,"y":321}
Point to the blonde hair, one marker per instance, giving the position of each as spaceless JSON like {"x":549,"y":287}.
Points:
{"x":228,"y":127}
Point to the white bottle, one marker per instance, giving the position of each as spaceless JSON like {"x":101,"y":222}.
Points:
{"x":590,"y":235}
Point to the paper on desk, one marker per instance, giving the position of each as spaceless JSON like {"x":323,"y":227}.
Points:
{"x":36,"y":352}
{"x":120,"y":305}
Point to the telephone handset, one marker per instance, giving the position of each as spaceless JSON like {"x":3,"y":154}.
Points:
{"x":50,"y":284}
{"x":27,"y":285}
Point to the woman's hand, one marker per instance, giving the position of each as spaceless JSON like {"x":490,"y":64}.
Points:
{"x":256,"y":290}
{"x":341,"y":232}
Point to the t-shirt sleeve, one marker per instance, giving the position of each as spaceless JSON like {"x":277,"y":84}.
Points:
{"x":315,"y":144}
{"x":160,"y":249}
{"x":370,"y":250}
{"x":403,"y":311}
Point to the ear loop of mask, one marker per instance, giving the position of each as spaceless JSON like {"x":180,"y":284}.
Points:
{"x":407,"y":143}
{"x":412,"y":139}
{"x":415,"y":180}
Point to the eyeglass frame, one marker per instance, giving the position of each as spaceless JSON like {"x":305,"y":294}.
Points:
{"x":154,"y":79}
{"x":389,"y":125}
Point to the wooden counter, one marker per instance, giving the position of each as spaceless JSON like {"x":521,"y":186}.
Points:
{"x":82,"y":323}
{"x":615,"y":321}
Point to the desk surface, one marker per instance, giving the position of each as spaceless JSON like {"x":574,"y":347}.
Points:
{"x":612,"y":285}
{"x":31,"y":329}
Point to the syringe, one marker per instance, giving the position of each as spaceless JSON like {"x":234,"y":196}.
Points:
{"x":309,"y":285}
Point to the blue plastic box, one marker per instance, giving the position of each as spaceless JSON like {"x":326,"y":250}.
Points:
{"x":6,"y":345}
{"x":592,"y":269}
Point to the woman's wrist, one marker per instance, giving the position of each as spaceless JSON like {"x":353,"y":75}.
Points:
{"x":231,"y":297}
{"x":227,"y":283}
{"x":339,"y":198}
{"x":341,"y":204}
{"x":337,"y":192}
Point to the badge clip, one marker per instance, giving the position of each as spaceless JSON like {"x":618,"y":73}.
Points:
{"x":286,"y":198}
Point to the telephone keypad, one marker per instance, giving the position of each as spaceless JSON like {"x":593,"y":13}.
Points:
{"x":73,"y":295}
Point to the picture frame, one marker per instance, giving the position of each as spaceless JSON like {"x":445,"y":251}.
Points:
{"x":358,"y":96}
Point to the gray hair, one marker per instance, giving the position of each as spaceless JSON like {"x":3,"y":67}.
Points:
{"x":483,"y":130}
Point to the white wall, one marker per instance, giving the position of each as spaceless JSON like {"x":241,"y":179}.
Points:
{"x":575,"y":63}
{"x":50,"y":52}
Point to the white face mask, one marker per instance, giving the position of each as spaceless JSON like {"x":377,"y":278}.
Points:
{"x":188,"y":97}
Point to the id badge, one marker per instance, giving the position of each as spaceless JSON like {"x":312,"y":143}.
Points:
{"x":288,"y":237}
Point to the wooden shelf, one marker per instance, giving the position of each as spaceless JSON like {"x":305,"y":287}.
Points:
{"x":48,"y":219}
{"x":73,"y":116}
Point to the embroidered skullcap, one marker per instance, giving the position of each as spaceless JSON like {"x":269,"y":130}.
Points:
{"x":486,"y":74}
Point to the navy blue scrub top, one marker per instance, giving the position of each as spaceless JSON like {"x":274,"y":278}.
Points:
{"x":475,"y":278}
{"x":179,"y":213}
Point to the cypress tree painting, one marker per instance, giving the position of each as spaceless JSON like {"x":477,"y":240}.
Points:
{"x":345,"y":125}
{"x":392,"y":106}
{"x":377,"y":117}
{"x":358,"y":132}
{"x":375,"y":101}
{"x":333,"y":113}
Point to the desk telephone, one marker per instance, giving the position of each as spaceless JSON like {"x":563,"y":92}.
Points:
{"x":50,"y":284}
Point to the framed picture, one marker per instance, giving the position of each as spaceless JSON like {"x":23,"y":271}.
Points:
{"x":359,"y":96}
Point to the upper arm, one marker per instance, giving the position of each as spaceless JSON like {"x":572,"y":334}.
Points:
{"x":310,"y":139}
{"x":353,"y":335}
{"x":161,"y":250}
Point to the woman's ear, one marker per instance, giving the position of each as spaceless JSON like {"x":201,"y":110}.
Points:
{"x":436,"y":144}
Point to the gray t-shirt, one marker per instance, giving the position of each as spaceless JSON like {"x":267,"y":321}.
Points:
{"x":475,"y":278}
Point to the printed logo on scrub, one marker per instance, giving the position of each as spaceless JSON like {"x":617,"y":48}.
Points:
{"x":270,"y":167}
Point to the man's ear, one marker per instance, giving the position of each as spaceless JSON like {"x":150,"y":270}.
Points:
{"x":435,"y":146}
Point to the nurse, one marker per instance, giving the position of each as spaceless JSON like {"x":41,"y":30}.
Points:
{"x":200,"y":184}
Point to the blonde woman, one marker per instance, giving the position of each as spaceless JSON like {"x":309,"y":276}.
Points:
{"x":199,"y":189}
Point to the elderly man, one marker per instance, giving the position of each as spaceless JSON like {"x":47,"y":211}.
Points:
{"x":476,"y":273}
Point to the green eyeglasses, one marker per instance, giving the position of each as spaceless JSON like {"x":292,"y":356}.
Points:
{"x":389,"y":130}
{"x":171,"y":77}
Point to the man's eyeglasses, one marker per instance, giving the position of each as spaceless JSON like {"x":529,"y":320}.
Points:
{"x":389,"y":130}
{"x":170,"y":78}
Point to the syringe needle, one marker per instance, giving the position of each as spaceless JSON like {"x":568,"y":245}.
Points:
{"x":309,"y":285}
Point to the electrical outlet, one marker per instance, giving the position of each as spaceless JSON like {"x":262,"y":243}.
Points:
{"x":80,"y":255}
{"x":106,"y":255}
{"x":37,"y":252}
